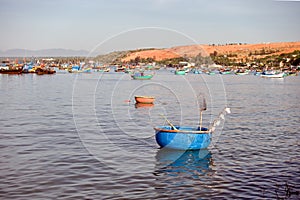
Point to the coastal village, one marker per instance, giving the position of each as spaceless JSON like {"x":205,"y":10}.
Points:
{"x":233,"y":58}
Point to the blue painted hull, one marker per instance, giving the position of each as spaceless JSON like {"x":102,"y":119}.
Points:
{"x":185,"y":138}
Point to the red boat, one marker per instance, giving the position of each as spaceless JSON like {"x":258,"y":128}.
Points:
{"x":144,"y":99}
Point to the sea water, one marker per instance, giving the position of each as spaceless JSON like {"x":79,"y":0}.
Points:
{"x":81,"y":136}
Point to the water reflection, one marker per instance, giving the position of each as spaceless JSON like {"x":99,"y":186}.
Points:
{"x":143,"y":105}
{"x":174,"y":162}
{"x":184,"y":174}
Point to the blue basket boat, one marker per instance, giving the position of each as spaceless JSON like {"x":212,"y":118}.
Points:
{"x":183,"y":137}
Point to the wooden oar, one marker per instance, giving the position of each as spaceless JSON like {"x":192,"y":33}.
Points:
{"x":169,"y":122}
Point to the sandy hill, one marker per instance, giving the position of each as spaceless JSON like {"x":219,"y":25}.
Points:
{"x":238,"y":50}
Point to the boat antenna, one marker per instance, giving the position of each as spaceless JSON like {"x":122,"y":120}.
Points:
{"x":202,"y":108}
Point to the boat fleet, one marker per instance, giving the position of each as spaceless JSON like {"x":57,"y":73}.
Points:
{"x":263,"y":74}
{"x":140,"y":71}
{"x":184,"y":68}
{"x":15,"y":67}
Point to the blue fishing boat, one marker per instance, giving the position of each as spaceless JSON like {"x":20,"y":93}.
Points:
{"x":141,"y":76}
{"x":183,"y":137}
{"x":186,"y":137}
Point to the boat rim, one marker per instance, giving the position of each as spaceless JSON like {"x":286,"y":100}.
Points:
{"x":148,"y":97}
{"x":182,"y":131}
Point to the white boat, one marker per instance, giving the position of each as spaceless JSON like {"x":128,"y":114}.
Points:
{"x":238,"y":72}
{"x":273,"y":75}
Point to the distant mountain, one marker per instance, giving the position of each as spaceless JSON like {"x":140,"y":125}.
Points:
{"x":43,"y":53}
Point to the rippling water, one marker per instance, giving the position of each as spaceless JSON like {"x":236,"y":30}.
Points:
{"x":69,"y":136}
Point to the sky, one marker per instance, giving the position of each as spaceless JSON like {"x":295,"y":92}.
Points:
{"x":108,"y":25}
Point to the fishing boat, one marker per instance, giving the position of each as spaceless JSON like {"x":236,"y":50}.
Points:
{"x":241,"y":72}
{"x":180,"y":72}
{"x":291,"y":73}
{"x":226,"y":71}
{"x":196,"y":71}
{"x":60,"y":70}
{"x":103,"y":69}
{"x":120,"y":68}
{"x":42,"y":71}
{"x":141,"y":76}
{"x":183,"y":137}
{"x":186,"y":137}
{"x":79,"y":69}
{"x":212,"y":72}
{"x":11,"y":70}
{"x":6,"y":67}
{"x":183,"y":68}
{"x":144,"y":99}
{"x":74,"y":69}
{"x":273,"y":74}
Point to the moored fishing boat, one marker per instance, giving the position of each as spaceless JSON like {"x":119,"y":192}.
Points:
{"x":11,"y":70}
{"x":241,"y":72}
{"x":79,"y":69}
{"x":87,"y":70}
{"x":187,"y":137}
{"x":180,"y":72}
{"x":273,"y":74}
{"x":196,"y":71}
{"x":183,"y":137}
{"x":74,"y":69}
{"x":225,"y":72}
{"x":42,"y":71}
{"x":144,"y":99}
{"x":120,"y":68}
{"x":141,"y":76}
{"x":291,"y":73}
{"x":6,"y":67}
{"x":212,"y":72}
{"x":103,"y":69}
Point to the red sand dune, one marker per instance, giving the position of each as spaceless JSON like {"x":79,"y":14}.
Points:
{"x":242,"y":50}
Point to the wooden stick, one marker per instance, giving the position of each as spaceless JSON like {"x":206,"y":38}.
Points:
{"x":200,"y":127}
{"x":203,"y":108}
{"x":169,"y":122}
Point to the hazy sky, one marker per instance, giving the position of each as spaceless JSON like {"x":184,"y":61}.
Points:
{"x":121,"y":24}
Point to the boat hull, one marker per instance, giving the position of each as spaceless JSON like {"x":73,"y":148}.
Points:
{"x":146,"y":77}
{"x":242,"y":73}
{"x":144,"y":99}
{"x":225,"y":72}
{"x":280,"y":75}
{"x":185,"y":138}
{"x":180,"y":72}
{"x":11,"y":71}
{"x":144,"y":105}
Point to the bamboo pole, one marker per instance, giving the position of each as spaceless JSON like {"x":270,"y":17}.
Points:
{"x":200,"y":125}
{"x":203,"y":108}
{"x":169,"y":122}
